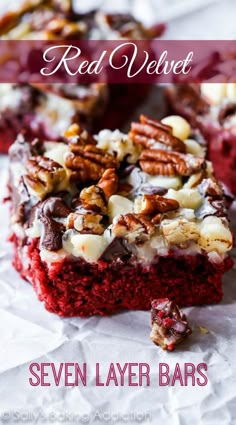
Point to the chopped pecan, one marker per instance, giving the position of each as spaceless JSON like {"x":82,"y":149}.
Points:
{"x":134,"y":227}
{"x":78,"y":135}
{"x":148,"y":130}
{"x":156,"y":219}
{"x":85,"y":223}
{"x":124,"y":189}
{"x":93,"y":198}
{"x":65,"y":29}
{"x":153,"y":204}
{"x":88,"y":163}
{"x":44,"y":175}
{"x":108,"y":182}
{"x":158,"y":161}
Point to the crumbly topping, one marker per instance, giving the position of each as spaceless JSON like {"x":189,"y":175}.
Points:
{"x":85,"y":192}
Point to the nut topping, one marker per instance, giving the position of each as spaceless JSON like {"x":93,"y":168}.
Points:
{"x":44,"y":175}
{"x":148,"y":130}
{"x":108,"y":182}
{"x":93,"y":198}
{"x":78,"y":135}
{"x":88,"y":163}
{"x":85,"y":223}
{"x":153,"y":204}
{"x":134,"y":227}
{"x":157,"y":161}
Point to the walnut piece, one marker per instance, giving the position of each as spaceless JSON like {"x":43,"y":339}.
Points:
{"x":44,"y":175}
{"x":160,"y":162}
{"x":133,"y":227}
{"x":85,"y":223}
{"x":148,"y":130}
{"x":88,"y":163}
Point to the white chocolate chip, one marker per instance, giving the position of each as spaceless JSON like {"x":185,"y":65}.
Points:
{"x":120,"y":143}
{"x":180,"y":127}
{"x":187,"y":198}
{"x":166,"y":182}
{"x":89,"y":247}
{"x":214,"y":235}
{"x":214,"y":92}
{"x":118,"y":205}
{"x":194,"y":148}
{"x":57,"y":153}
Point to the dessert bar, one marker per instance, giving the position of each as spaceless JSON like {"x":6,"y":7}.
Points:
{"x":46,"y":110}
{"x":112,"y":221}
{"x":211,"y":108}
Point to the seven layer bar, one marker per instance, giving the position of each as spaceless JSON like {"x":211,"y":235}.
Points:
{"x":112,"y":221}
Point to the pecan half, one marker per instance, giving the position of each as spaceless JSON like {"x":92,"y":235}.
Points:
{"x":43,"y":175}
{"x":86,"y":223}
{"x":88,"y":163}
{"x":153,"y":204}
{"x":158,"y":161}
{"x":148,"y":130}
{"x":78,"y":135}
{"x":108,"y":182}
{"x":133,"y":227}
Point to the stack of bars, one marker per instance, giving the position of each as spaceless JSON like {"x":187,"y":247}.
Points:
{"x":112,"y":221}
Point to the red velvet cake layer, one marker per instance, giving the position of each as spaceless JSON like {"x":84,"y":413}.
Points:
{"x":76,"y":288}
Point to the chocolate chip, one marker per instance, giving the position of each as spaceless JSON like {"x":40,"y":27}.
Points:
{"x":153,"y":190}
{"x":48,"y":211}
{"x":118,"y":249}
